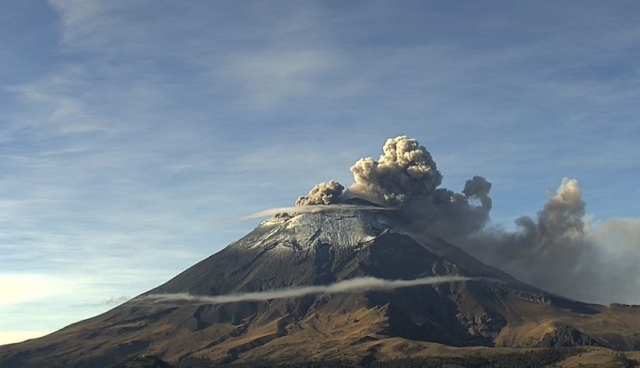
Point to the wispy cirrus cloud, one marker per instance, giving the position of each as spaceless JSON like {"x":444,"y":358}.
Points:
{"x":274,"y":76}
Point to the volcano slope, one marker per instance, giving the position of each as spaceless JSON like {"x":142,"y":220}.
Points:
{"x":492,"y":309}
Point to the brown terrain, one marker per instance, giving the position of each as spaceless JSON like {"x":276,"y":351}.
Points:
{"x":490,"y":315}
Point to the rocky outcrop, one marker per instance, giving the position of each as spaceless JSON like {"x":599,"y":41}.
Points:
{"x":566,"y":336}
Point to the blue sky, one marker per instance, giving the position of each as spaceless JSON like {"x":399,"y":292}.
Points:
{"x":133,"y":133}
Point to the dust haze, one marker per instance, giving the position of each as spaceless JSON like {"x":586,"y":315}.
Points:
{"x":556,"y":250}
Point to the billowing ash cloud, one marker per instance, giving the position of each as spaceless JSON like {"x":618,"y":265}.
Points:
{"x":478,"y":187}
{"x":556,"y":250}
{"x":360,"y":284}
{"x":405,"y":171}
{"x":406,"y":177}
{"x":323,"y":193}
{"x":447,"y":213}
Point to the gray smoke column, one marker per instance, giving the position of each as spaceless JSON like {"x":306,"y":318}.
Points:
{"x":323,"y":194}
{"x":450,"y":214}
{"x":478,"y":187}
{"x":348,"y":286}
{"x":404,"y":171}
{"x":561,"y":217}
{"x":559,"y":221}
{"x":406,"y":177}
{"x":557,"y":252}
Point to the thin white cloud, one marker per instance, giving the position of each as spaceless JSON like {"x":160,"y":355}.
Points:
{"x":313,"y":209}
{"x":275,"y":76}
{"x":348,"y":286}
{"x":54,"y":107}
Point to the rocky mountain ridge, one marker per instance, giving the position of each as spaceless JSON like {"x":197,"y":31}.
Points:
{"x":492,"y":309}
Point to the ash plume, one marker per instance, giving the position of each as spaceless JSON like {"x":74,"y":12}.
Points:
{"x":322,"y":194}
{"x":557,"y":250}
{"x":404,"y":171}
{"x":406,"y":177}
{"x":348,"y":286}
{"x":478,"y":187}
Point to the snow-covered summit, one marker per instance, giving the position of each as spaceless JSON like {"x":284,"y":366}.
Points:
{"x":344,"y":226}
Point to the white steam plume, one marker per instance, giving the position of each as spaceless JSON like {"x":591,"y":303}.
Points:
{"x":313,"y":209}
{"x":347,"y":286}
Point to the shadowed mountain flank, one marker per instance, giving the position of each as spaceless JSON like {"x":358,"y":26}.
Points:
{"x":481,"y":307}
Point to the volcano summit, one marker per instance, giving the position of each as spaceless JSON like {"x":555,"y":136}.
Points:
{"x":347,"y":276}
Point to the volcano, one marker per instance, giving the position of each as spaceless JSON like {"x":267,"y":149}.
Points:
{"x":489,"y":308}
